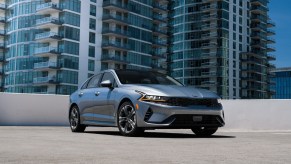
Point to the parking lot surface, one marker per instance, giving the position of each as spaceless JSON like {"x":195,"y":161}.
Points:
{"x":105,"y":145}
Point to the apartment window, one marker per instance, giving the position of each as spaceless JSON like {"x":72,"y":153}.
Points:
{"x":234,"y":36}
{"x":234,"y":54}
{"x":240,"y":47}
{"x":234,"y":27}
{"x":234,"y":45}
{"x":91,"y":64}
{"x":93,"y":10}
{"x":240,"y":3}
{"x":240,"y":38}
{"x":91,"y":51}
{"x":92,"y":24}
{"x":240,"y":12}
{"x":234,"y":75}
{"x":92,"y":37}
{"x":240,"y":29}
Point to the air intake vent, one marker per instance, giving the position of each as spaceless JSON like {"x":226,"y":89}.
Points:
{"x":148,"y":115}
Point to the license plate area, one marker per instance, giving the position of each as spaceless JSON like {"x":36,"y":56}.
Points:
{"x":197,"y":118}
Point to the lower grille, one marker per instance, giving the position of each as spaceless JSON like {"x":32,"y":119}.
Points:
{"x":188,"y":121}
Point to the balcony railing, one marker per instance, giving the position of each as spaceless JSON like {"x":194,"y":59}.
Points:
{"x":159,"y":6}
{"x":46,"y":50}
{"x":49,"y":5}
{"x":116,"y":31}
{"x":115,"y":3}
{"x":115,"y":44}
{"x":48,"y":20}
{"x":47,"y":35}
{"x":115,"y":17}
{"x":45,"y":65}
{"x":47,"y":79}
{"x":107,"y":57}
{"x":2,"y":19}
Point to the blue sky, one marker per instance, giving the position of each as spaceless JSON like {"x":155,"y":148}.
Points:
{"x":280,"y":13}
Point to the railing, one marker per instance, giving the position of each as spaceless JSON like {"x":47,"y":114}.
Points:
{"x":116,"y":30}
{"x":45,"y":35}
{"x":113,"y":58}
{"x":160,"y":17}
{"x":47,"y":20}
{"x":45,"y":64}
{"x":47,"y":5}
{"x":44,"y":79}
{"x":115,"y":44}
{"x":116,"y":17}
{"x":2,"y":19}
{"x":115,"y":3}
{"x":45,"y":50}
{"x":159,"y":6}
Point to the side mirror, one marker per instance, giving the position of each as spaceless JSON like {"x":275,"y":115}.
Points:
{"x":106,"y":83}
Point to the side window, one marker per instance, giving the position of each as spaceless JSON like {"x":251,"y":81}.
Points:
{"x":108,"y":76}
{"x":85,"y":84}
{"x":93,"y":83}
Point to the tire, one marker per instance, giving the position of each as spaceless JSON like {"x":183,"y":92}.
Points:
{"x":127,"y":120}
{"x":74,"y":119}
{"x":204,"y":131}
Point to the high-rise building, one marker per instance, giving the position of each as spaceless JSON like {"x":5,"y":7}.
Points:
{"x":52,"y":46}
{"x":282,"y":83}
{"x":222,"y":45}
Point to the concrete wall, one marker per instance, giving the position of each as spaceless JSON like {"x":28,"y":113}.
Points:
{"x":28,"y":109}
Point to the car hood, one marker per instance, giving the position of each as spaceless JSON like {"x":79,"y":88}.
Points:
{"x":172,"y":91}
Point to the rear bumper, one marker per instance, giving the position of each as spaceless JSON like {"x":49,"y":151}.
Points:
{"x":151,"y":115}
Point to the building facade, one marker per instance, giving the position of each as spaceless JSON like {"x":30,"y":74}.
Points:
{"x":222,"y":45}
{"x":52,"y":46}
{"x":282,"y":83}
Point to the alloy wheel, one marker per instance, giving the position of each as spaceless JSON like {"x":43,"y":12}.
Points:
{"x":127,"y":119}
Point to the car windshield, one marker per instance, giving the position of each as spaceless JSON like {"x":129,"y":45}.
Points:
{"x":145,"y":77}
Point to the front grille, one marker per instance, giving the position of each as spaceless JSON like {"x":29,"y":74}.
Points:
{"x":188,"y":121}
{"x":192,"y":102}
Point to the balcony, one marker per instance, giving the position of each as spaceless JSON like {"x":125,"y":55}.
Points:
{"x":208,"y":8}
{"x":115,"y":45}
{"x":271,"y":23}
{"x":46,"y":51}
{"x":259,"y":18}
{"x":47,"y":37}
{"x":160,"y":18}
{"x":2,"y":32}
{"x":2,"y":45}
{"x":2,"y":59}
{"x":207,"y":36}
{"x":159,"y":43}
{"x":115,"y":5}
{"x":270,"y":48}
{"x":110,"y":18}
{"x":270,"y":32}
{"x":3,"y":6}
{"x":208,"y":45}
{"x":271,"y":57}
{"x":48,"y":22}
{"x":47,"y":8}
{"x":2,"y":20}
{"x":209,"y":64}
{"x":159,"y":54}
{"x":158,"y":31}
{"x":259,"y":10}
{"x":208,"y":74}
{"x":207,"y":27}
{"x":45,"y":66}
{"x":259,"y":2}
{"x":115,"y":59}
{"x":159,"y":8}
{"x":258,"y":35}
{"x":48,"y":80}
{"x":209,"y":17}
{"x":115,"y":32}
{"x":158,"y":68}
{"x":271,"y":40}
{"x":208,"y":83}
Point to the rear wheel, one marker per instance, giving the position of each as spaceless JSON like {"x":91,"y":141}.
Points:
{"x":204,"y":131}
{"x":75,"y":120}
{"x":127,"y":120}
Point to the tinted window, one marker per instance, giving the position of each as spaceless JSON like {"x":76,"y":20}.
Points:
{"x":145,"y":77}
{"x":93,"y":83}
{"x":108,"y":76}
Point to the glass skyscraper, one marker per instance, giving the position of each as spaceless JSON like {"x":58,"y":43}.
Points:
{"x":222,"y":45}
{"x":52,"y":46}
{"x":282,"y":83}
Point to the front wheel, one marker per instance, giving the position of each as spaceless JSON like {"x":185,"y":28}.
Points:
{"x":126,"y":120}
{"x":204,"y":131}
{"x":75,"y":120}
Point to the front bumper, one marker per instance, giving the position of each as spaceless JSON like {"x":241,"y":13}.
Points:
{"x":153,"y":115}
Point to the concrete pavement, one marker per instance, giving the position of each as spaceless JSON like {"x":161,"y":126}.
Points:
{"x":105,"y":145}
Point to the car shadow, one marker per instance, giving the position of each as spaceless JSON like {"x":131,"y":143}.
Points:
{"x":159,"y":135}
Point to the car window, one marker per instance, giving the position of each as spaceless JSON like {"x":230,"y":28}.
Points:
{"x":109,"y":76}
{"x":85,"y":84}
{"x":93,"y":83}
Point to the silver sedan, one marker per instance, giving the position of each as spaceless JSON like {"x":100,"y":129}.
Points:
{"x":134,"y":101}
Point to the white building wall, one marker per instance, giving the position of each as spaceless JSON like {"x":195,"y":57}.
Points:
{"x":50,"y":110}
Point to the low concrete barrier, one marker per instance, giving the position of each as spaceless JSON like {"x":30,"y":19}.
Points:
{"x":52,"y":110}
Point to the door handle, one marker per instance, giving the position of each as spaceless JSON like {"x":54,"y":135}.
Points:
{"x":97,"y":93}
{"x":81,"y":94}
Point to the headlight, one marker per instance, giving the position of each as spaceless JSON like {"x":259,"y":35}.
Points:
{"x":151,"y":98}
